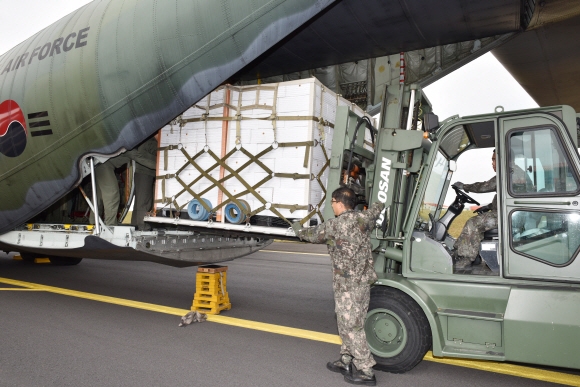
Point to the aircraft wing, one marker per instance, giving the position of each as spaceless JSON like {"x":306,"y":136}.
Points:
{"x":545,"y":59}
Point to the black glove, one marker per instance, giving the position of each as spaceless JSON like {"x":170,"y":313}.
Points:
{"x":483,"y":209}
{"x":296,"y":226}
{"x":458,"y":185}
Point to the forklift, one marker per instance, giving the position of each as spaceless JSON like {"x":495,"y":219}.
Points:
{"x":525,"y":305}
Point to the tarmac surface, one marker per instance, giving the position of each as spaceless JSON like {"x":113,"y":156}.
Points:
{"x":51,"y":339}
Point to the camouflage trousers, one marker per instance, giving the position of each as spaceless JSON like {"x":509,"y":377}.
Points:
{"x":108,"y":192}
{"x":351,"y":305}
{"x":467,"y":245}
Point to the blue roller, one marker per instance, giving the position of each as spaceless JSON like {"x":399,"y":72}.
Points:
{"x":196,"y":211}
{"x":234,"y":214}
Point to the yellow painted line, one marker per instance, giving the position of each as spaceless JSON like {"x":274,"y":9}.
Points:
{"x":291,"y":252}
{"x":278,"y":329}
{"x":25,"y":290}
{"x":489,"y":366}
{"x":510,"y":369}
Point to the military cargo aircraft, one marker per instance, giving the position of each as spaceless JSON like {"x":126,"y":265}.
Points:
{"x":107,"y":76}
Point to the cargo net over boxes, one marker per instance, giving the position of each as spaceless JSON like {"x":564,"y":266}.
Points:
{"x":251,"y":152}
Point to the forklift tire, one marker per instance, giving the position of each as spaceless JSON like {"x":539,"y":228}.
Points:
{"x":397,"y":330}
{"x":64,"y":261}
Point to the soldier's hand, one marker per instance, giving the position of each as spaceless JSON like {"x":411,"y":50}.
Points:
{"x":296,"y":226}
{"x":482,"y":209}
{"x":458,"y":185}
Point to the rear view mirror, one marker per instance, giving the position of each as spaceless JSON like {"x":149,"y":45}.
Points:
{"x":430,"y":122}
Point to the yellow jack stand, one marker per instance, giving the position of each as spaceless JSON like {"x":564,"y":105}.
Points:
{"x":211,"y":296}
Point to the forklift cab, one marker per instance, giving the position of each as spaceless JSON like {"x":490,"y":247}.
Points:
{"x":537,"y":187}
{"x":435,"y":219}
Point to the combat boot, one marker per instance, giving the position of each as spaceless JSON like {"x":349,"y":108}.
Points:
{"x":361,"y":377}
{"x":342,"y":365}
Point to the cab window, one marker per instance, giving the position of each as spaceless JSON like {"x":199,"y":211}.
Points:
{"x":551,"y":237}
{"x":434,"y":188}
{"x":538,"y":164}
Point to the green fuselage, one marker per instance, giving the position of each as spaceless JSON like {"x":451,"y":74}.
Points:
{"x":110,"y":74}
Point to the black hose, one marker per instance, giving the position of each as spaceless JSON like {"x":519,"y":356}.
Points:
{"x":372,"y":129}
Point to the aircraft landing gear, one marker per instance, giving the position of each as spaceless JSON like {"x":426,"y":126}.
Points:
{"x":57,"y":261}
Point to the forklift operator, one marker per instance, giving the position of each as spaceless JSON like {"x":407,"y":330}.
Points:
{"x":466,"y":247}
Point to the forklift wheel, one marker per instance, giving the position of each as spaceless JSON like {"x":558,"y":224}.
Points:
{"x":397,"y":330}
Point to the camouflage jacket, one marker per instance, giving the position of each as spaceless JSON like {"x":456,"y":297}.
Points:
{"x":483,"y":187}
{"x":349,"y":245}
{"x":145,"y":157}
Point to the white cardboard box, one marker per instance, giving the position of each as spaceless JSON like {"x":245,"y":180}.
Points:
{"x":297,"y":105}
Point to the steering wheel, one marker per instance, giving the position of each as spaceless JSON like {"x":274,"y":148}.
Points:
{"x":464,"y":197}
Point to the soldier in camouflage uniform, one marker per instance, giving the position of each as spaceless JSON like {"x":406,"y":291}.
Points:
{"x":348,"y":240}
{"x":467,"y":245}
{"x":144,"y":183}
{"x":145,"y":157}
